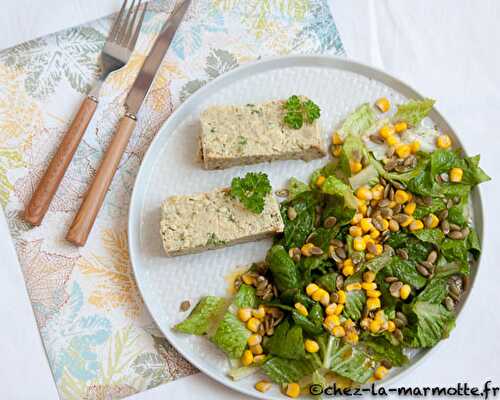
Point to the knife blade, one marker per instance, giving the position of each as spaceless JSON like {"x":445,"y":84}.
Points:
{"x":152,"y":63}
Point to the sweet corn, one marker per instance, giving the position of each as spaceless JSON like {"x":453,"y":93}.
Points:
{"x":373,"y":293}
{"x":362,"y":208}
{"x":348,"y":270}
{"x":355,"y":166}
{"x":369,"y":276}
{"x":378,"y":192}
{"x":443,"y":141}
{"x":348,"y":324}
{"x":374,"y":326}
{"x":359,"y":244}
{"x":253,"y":324}
{"x":415,"y":146}
{"x":356,"y":218}
{"x":318,"y":294}
{"x":369,"y":256}
{"x":336,"y":151}
{"x":380,"y":372}
{"x":311,"y":346}
{"x":331,"y":321}
{"x":339,"y":309}
{"x":391,"y":326}
{"x":311,"y":288}
{"x":355,"y":231}
{"x":380,"y":316}
{"x":293,"y":390}
{"x":368,"y":239}
{"x":407,"y":222}
{"x":247,"y":358}
{"x":364,"y":193}
{"x":244,"y":314}
{"x":392,"y":140}
{"x":263,"y":386}
{"x":352,"y":337}
{"x":403,"y":150}
{"x":400,"y":127}
{"x":385,"y":224}
{"x":383,"y":104}
{"x":330,"y":309}
{"x":337,"y":139}
{"x":302,"y":310}
{"x":341,"y":297}
{"x":338,"y":331}
{"x":257,"y":349}
{"x":434,"y":221}
{"x":416,"y":225}
{"x":386,"y":131}
{"x":401,"y":196}
{"x":405,"y":291}
{"x":375,"y":233}
{"x":369,"y":285}
{"x":410,"y":208}
{"x":254,"y":339}
{"x":366,"y":224}
{"x":379,"y":249}
{"x":353,"y":286}
{"x":365,"y":323}
{"x":306,"y":249}
{"x":248,"y":279}
{"x":320,"y":180}
{"x":373,"y":303}
{"x":260,"y":312}
{"x":456,"y":174}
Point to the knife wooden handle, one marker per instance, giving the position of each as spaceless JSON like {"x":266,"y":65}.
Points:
{"x":47,"y":187}
{"x":85,"y":218}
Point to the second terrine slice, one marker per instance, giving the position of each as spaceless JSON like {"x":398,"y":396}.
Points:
{"x":193,"y":223}
{"x":254,"y":133}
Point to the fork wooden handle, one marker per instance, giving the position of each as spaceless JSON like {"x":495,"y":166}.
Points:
{"x":47,"y":187}
{"x":85,"y":218}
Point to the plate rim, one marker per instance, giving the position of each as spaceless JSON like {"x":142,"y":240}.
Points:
{"x":281,"y":62}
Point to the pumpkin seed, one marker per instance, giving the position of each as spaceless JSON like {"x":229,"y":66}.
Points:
{"x":432,"y":257}
{"x":376,"y":139}
{"x":393,"y":225}
{"x":456,"y":235}
{"x":448,"y":302}
{"x":329,"y":222}
{"x":442,"y":215}
{"x":455,"y":227}
{"x":399,"y":323}
{"x":386,"y":363}
{"x":456,"y":199}
{"x":386,"y":192}
{"x":445,"y":227}
{"x":337,"y":243}
{"x":398,"y":185}
{"x":391,"y":194}
{"x":397,"y":208}
{"x":423,"y":271}
{"x":454,"y":288}
{"x":402,"y":317}
{"x":282,"y":193}
{"x":390,"y":279}
{"x":386,"y":212}
{"x":382,"y":181}
{"x":384,"y":203}
{"x":395,"y":288}
{"x":445,"y":177}
{"x":341,"y":252}
{"x":391,"y":164}
{"x":371,"y":248}
{"x":339,"y":282}
{"x":465,"y":232}
{"x":375,"y":213}
{"x":402,"y":253}
{"x":427,"y":220}
{"x":402,"y":218}
{"x":388,"y":249}
{"x":316,"y":251}
{"x":185,"y":305}
{"x":369,"y":211}
{"x":377,"y":224}
{"x":398,"y":335}
{"x":292,"y":214}
{"x":400,"y":168}
{"x":454,"y":296}
{"x":311,"y":237}
{"x":427,"y":200}
{"x":449,"y":203}
{"x":390,"y":151}
{"x":334,"y":297}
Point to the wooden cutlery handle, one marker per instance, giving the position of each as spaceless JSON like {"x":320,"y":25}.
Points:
{"x":47,"y":187}
{"x":85,"y":218}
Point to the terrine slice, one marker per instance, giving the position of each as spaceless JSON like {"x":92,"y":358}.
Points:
{"x":194,"y":223}
{"x":254,"y":133}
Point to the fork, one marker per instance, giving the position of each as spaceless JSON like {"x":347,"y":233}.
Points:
{"x":116,"y":52}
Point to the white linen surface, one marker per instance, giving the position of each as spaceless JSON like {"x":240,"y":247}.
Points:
{"x":447,"y":50}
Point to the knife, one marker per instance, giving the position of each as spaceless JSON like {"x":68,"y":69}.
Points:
{"x":86,"y":216}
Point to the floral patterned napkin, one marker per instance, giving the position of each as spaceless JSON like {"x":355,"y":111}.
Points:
{"x":100,"y":340}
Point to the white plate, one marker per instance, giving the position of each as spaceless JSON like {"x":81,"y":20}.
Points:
{"x":337,"y":85}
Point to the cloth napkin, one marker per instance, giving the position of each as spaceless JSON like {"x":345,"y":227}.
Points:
{"x":100,"y":340}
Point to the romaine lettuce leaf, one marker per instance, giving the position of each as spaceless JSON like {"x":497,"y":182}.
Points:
{"x":335,"y":207}
{"x":435,"y":236}
{"x":473,"y":174}
{"x":286,"y":342}
{"x":377,"y":263}
{"x":422,"y":210}
{"x":455,"y":250}
{"x":242,"y":372}
{"x":379,"y":348}
{"x":414,"y":111}
{"x":246,"y":297}
{"x":355,"y":300}
{"x":328,"y":281}
{"x":359,"y":121}
{"x":367,"y":176}
{"x":283,"y":371}
{"x":231,"y":336}
{"x":310,"y":327}
{"x":473,"y":244}
{"x":203,"y":317}
{"x":435,"y":291}
{"x":296,"y":231}
{"x":296,"y":187}
{"x":406,"y":272}
{"x":334,"y":186}
{"x":353,"y":148}
{"x":283,"y":269}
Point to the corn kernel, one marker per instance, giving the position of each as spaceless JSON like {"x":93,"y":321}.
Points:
{"x":263,"y":386}
{"x":331,"y":321}
{"x":379,"y":249}
{"x":318,"y":294}
{"x":391,"y":326}
{"x":355,"y":166}
{"x":311,"y":346}
{"x":443,"y":141}
{"x":416,"y":225}
{"x":311,"y":288}
{"x":362,"y":208}
{"x":369,"y":276}
{"x":373,"y":293}
{"x":383,"y":104}
{"x":378,"y":192}
{"x":403,"y":150}
{"x":369,"y":285}
{"x":405,"y":291}
{"x":256,"y":349}
{"x":392,"y":140}
{"x":348,"y":324}
{"x":364,"y":193}
{"x":338,"y":331}
{"x":356,"y":218}
{"x":306,"y":249}
{"x":339,"y":309}
{"x":359,"y":244}
{"x":336,"y":151}
{"x":302,"y":310}
{"x":293,"y":390}
{"x":369,"y":256}
{"x":337,"y":139}
{"x":456,"y":175}
{"x":260,"y":312}
{"x":353,"y":286}
{"x":407,"y":222}
{"x":341,"y":297}
{"x":366,"y":224}
{"x":365,"y":323}
{"x":373,"y":303}
{"x":253,"y":324}
{"x":247,"y":358}
{"x":380,"y":373}
{"x":375,"y":233}
{"x":401,"y":196}
{"x":380,"y":316}
{"x":434,"y":221}
{"x":385,"y":224}
{"x":415,"y":146}
{"x":355,"y":231}
{"x":410,"y":208}
{"x":374,"y":326}
{"x":368,"y":239}
{"x":248,"y":279}
{"x":320,"y":180}
{"x":330,"y":309}
{"x":348,"y":270}
{"x":254,"y":339}
{"x":244,"y":314}
{"x":400,"y":127}
{"x":352,"y":337}
{"x":386,"y":131}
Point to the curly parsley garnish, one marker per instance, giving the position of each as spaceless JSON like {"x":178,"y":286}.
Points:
{"x":298,"y":112}
{"x":251,"y":190}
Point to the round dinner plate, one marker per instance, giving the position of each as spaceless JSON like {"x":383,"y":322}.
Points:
{"x":171,"y":167}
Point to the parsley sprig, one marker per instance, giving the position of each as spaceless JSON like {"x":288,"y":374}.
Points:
{"x":251,"y":190}
{"x":298,"y":112}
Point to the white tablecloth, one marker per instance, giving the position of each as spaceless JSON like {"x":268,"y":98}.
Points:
{"x":447,"y":50}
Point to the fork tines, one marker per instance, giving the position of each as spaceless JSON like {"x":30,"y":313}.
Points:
{"x":125,"y":30}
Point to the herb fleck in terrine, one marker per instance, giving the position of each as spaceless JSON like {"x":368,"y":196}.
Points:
{"x":254,"y":133}
{"x":190,"y":224}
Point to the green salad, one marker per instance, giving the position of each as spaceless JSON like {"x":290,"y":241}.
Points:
{"x":374,"y":257}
